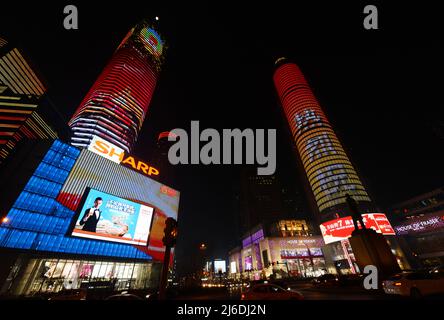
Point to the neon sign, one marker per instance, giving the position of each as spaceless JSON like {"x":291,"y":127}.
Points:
{"x":117,"y":155}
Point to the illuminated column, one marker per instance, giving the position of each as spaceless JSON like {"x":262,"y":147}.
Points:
{"x":116,"y":105}
{"x":327,"y":166}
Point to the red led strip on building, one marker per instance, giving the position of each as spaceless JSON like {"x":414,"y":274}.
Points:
{"x":116,"y":105}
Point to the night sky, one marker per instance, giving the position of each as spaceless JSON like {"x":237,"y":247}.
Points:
{"x":382,"y":90}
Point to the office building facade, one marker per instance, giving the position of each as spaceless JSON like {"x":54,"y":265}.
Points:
{"x":328,"y":169}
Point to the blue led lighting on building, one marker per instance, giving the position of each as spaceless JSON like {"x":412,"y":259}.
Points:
{"x":38,"y":222}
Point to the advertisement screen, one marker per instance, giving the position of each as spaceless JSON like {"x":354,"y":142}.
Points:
{"x":99,"y":173}
{"x":220,"y":266}
{"x":248,"y":263}
{"x":233,"y":268}
{"x":342,"y":228}
{"x":106,"y":217}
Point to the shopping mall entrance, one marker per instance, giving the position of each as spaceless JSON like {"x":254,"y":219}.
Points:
{"x":305,"y":267}
{"x":39,"y":276}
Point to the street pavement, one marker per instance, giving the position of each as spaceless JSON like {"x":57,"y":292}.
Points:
{"x":308,"y":291}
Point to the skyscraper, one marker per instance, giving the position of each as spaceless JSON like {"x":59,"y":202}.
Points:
{"x":116,"y":105}
{"x":328,"y":169}
{"x":21,"y":92}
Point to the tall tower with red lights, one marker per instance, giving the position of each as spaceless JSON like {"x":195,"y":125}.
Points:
{"x":117,"y":104}
{"x":328,"y":169}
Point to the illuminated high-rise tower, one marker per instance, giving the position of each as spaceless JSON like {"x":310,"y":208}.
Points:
{"x":116,"y":105}
{"x":329,"y":171}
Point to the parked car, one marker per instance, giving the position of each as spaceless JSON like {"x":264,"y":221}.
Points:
{"x":69,"y":294}
{"x":415,"y":284}
{"x":270,"y":292}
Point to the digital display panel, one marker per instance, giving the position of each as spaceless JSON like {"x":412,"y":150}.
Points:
{"x":248,"y":263}
{"x":342,"y":228}
{"x":220,"y":266}
{"x":97,"y":172}
{"x":106,"y":217}
{"x":152,"y":41}
{"x":233,"y":268}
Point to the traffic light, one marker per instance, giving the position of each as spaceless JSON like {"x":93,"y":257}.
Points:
{"x":170,"y":232}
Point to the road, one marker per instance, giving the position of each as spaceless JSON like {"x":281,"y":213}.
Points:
{"x":308,"y":291}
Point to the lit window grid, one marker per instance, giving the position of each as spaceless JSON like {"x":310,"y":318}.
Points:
{"x":341,"y":200}
{"x":330,"y":168}
{"x":322,"y":185}
{"x":327,"y":199}
{"x":333,"y":191}
{"x":296,"y":97}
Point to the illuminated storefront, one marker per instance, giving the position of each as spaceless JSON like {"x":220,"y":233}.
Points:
{"x":279,"y":257}
{"x":295,"y":256}
{"x":338,"y":249}
{"x":422,"y":237}
{"x":47,"y":211}
{"x":43,"y":276}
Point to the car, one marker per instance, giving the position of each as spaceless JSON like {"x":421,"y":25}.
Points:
{"x":415,"y":284}
{"x":124,"y":296}
{"x":437,"y":269}
{"x":69,"y":294}
{"x":270,"y":292}
{"x":327,"y":279}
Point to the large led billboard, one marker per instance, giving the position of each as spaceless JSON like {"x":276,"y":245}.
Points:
{"x":99,"y":173}
{"x":342,"y":228}
{"x":220,"y":266}
{"x":37,"y":221}
{"x":248,"y":263}
{"x":233,"y":268}
{"x":103,"y":216}
{"x":151,"y":40}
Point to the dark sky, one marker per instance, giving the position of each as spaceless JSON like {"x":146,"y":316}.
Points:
{"x":382,"y":90}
